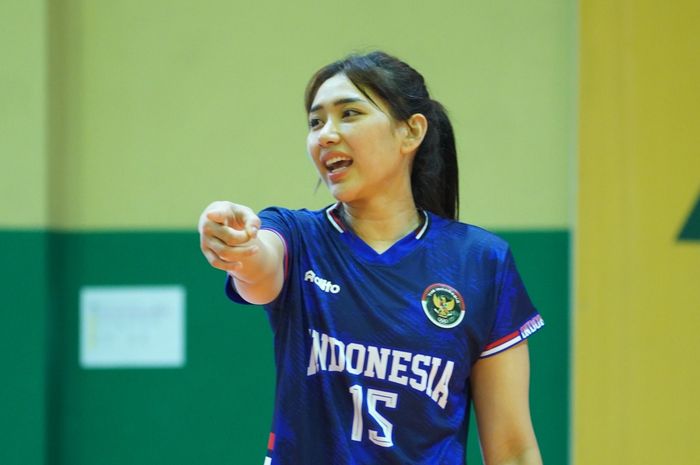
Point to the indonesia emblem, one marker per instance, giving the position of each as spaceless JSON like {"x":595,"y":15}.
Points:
{"x":443,"y":305}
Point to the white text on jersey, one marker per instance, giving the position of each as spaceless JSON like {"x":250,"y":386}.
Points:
{"x":418,"y":371}
{"x":323,"y":284}
{"x":531,"y":326}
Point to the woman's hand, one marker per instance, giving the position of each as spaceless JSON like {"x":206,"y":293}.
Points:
{"x":231,"y":240}
{"x":227,"y":234}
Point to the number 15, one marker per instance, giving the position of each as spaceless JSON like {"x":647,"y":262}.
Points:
{"x":373,"y":396}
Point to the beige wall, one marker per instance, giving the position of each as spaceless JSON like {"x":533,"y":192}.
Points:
{"x":637,"y":288}
{"x":157,"y":108}
{"x":23,"y":119}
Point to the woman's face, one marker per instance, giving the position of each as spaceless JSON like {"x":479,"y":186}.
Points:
{"x":355,"y":145}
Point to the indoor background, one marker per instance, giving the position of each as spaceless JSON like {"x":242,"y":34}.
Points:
{"x":577,"y":132}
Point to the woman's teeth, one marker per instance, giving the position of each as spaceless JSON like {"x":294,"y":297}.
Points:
{"x":337,"y":163}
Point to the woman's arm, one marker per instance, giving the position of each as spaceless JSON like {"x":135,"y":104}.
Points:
{"x":500,"y":389}
{"x":231,"y":241}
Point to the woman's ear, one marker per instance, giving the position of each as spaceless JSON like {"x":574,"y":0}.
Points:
{"x":415,"y":128}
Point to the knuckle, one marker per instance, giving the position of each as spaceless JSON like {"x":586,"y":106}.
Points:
{"x":229,"y":240}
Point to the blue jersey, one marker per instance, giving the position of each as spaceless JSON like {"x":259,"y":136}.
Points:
{"x":374,"y":351}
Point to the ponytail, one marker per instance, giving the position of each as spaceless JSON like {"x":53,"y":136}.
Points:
{"x":435,"y":174}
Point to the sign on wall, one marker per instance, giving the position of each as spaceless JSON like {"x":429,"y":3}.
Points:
{"x":132,"y":327}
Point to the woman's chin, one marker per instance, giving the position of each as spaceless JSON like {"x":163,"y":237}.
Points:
{"x":341,"y":193}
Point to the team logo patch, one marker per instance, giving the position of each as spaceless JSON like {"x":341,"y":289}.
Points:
{"x":443,"y":305}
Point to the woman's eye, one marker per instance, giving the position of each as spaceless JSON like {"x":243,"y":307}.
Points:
{"x":350,"y":112}
{"x":314,"y":122}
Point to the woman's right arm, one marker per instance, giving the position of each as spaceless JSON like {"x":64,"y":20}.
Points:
{"x":230,"y":240}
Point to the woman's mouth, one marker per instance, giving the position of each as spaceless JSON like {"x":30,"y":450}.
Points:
{"x":337,"y":163}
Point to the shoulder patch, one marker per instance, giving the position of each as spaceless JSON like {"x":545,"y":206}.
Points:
{"x":443,"y":305}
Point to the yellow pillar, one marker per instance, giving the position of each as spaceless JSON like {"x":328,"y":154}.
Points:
{"x":637,"y":288}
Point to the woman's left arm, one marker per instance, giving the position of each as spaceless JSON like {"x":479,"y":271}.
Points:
{"x":500,"y":389}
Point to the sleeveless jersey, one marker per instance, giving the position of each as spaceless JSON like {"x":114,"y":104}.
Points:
{"x":373,"y":352}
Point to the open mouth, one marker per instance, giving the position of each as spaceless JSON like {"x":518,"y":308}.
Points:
{"x":337,"y":163}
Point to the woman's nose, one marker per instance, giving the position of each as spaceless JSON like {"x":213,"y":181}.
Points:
{"x":328,"y":134}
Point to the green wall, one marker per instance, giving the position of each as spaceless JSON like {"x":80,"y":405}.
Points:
{"x":23,"y":347}
{"x":218,"y":408}
{"x":212,"y":410}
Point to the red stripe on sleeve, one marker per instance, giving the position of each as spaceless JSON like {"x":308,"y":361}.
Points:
{"x":507,"y":338}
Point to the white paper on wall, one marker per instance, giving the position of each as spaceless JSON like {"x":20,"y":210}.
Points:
{"x":132,"y":326}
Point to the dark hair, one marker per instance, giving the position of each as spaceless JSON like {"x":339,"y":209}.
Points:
{"x":434,"y":175}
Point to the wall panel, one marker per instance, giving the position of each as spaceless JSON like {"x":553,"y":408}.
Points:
{"x":637,"y":292}
{"x":218,"y":407}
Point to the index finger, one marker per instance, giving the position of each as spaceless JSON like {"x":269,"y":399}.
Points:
{"x":232,"y":223}
{"x":236,"y":216}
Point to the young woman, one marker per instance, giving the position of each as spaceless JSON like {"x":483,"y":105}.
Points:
{"x":389,"y":316}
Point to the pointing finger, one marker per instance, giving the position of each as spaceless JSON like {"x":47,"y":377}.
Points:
{"x":222,"y":216}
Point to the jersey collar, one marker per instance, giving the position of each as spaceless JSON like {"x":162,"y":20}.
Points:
{"x":335,"y":218}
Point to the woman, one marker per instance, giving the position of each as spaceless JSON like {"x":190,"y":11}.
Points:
{"x":389,"y":316}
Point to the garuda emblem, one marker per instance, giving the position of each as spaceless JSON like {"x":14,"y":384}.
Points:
{"x":443,"y":305}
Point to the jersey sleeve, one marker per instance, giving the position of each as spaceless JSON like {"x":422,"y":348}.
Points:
{"x":515,"y":316}
{"x":280,"y":222}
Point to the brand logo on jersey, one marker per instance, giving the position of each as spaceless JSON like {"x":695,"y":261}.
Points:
{"x":443,"y":305}
{"x":323,"y":284}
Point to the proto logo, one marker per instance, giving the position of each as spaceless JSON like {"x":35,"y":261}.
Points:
{"x":323,"y":284}
{"x":443,"y":305}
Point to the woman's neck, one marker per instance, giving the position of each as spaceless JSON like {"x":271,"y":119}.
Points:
{"x":381,"y":224}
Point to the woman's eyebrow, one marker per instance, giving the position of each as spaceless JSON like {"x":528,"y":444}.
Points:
{"x":338,"y":102}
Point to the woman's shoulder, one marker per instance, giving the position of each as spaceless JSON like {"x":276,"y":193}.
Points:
{"x":467,"y":234}
{"x":298,"y":217}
